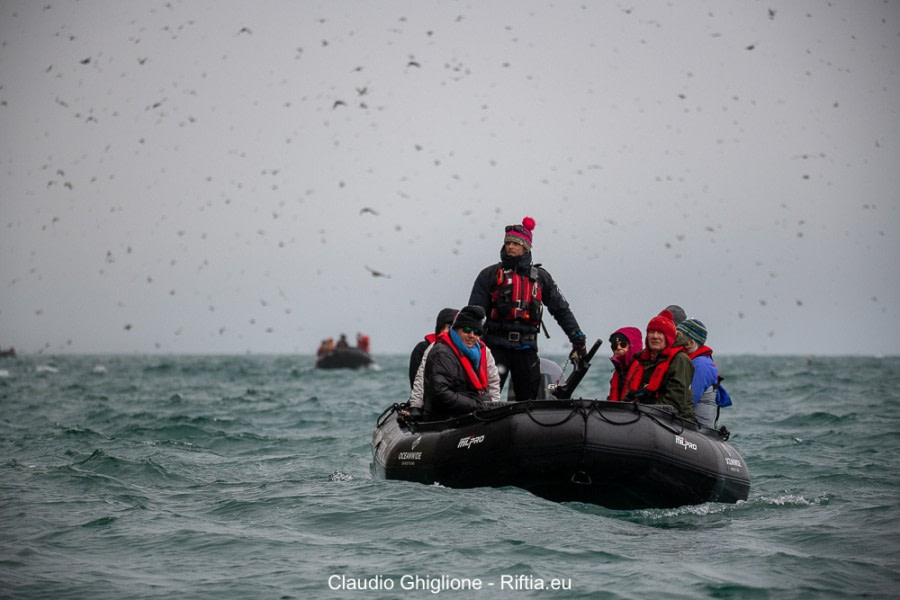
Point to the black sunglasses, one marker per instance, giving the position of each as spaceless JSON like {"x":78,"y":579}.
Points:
{"x":618,"y":344}
{"x":474,"y":330}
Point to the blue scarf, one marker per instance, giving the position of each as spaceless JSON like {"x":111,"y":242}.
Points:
{"x":473,"y":353}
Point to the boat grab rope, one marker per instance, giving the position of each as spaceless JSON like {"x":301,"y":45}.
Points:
{"x":639,"y":412}
{"x":521,"y":407}
{"x":575,"y":410}
{"x":655,"y":419}
{"x":578,"y":408}
{"x":387,"y":413}
{"x":596,"y":408}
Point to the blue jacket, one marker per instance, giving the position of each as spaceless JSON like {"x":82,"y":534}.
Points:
{"x":706,"y":374}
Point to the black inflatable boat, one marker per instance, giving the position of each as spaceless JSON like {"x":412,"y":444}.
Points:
{"x":344,"y":358}
{"x":616,"y":454}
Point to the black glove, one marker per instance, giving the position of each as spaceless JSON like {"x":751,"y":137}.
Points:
{"x":636,"y":396}
{"x":407,"y":413}
{"x":579,"y":346}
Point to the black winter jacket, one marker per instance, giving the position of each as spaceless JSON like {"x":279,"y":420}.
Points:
{"x":448,"y":392}
{"x":498,"y":332}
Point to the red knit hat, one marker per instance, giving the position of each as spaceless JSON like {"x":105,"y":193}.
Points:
{"x":520,"y":234}
{"x":663,"y":323}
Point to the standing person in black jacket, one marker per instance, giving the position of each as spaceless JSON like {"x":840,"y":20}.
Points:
{"x":513,"y":294}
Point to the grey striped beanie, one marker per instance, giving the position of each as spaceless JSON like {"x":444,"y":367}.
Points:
{"x":694,"y":329}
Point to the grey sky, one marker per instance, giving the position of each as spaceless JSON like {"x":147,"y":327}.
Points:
{"x":189,"y":176}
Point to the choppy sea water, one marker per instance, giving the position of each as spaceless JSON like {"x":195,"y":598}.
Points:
{"x":249,"y":477}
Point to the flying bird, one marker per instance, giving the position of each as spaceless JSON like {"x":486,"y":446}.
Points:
{"x":377,"y":273}
{"x":338,"y":103}
{"x":366,"y":209}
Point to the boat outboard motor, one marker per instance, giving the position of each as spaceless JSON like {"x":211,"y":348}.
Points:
{"x":550,"y":374}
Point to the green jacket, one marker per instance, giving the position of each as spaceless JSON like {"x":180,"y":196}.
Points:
{"x":675,"y":389}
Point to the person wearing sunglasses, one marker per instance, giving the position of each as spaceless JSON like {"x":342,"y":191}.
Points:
{"x":625,"y":344}
{"x":457,"y":373}
{"x":513,"y":294}
{"x":417,"y":359}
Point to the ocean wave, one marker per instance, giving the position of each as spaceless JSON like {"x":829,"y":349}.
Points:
{"x":239,"y":476}
{"x":791,"y":499}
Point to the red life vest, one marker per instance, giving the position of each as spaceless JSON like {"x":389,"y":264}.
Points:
{"x":479,"y":380}
{"x":701,"y":351}
{"x":516,"y":296}
{"x":614,"y":394}
{"x":636,"y":372}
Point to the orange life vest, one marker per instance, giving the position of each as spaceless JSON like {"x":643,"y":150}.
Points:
{"x":636,"y":371}
{"x":516,"y":296}
{"x":478,"y":380}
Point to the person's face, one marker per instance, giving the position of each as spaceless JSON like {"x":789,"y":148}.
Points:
{"x":514,"y":249}
{"x":656,"y":340}
{"x":468,"y":337}
{"x":619,"y":347}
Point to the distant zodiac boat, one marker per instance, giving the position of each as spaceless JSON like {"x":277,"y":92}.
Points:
{"x":344,"y":358}
{"x":620,"y":455}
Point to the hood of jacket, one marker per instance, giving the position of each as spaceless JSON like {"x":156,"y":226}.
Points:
{"x":635,"y":347}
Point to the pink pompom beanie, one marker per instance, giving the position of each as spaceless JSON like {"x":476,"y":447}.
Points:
{"x":520,"y":234}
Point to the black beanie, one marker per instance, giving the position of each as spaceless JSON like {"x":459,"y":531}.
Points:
{"x":445,"y":317}
{"x":470,"y":316}
{"x":678,"y":314}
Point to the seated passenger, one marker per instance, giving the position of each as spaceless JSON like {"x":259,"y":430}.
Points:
{"x":417,"y":394}
{"x":678,"y":314}
{"x":417,"y":366}
{"x":441,"y":324}
{"x":455,"y":372}
{"x":706,"y":373}
{"x":662,"y":373}
{"x":625,"y":344}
